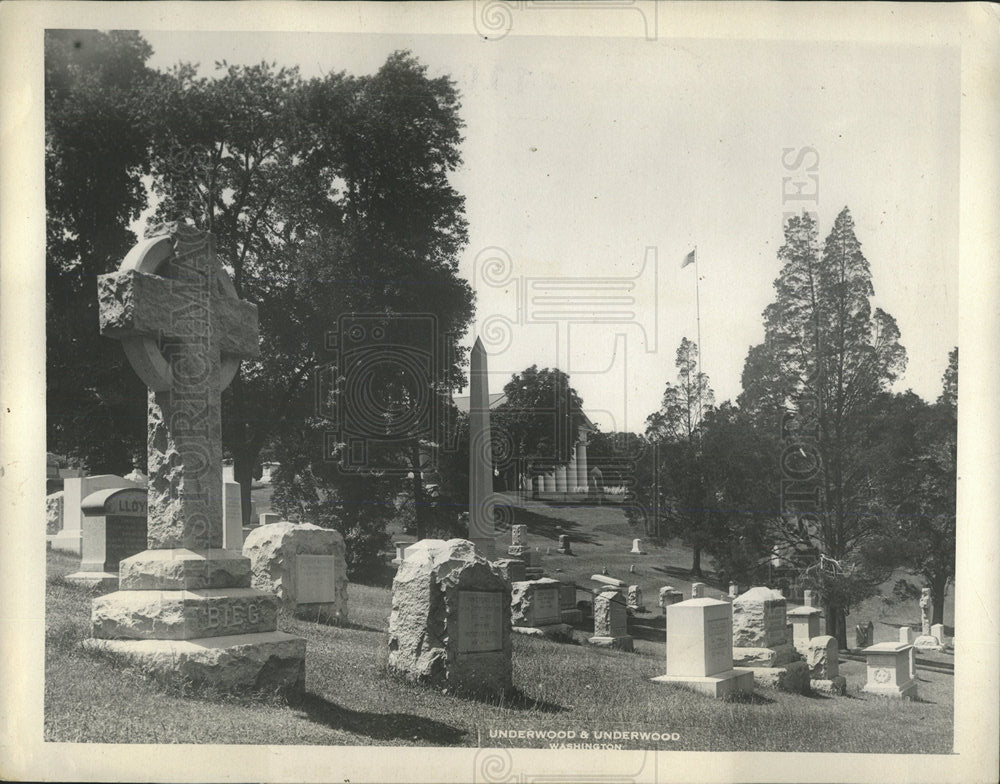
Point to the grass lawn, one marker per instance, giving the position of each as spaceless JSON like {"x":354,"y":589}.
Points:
{"x":352,"y":699}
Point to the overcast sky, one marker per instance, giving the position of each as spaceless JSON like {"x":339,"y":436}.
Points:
{"x":582,"y":153}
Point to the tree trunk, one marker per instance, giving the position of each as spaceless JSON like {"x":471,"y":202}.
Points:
{"x":419,"y":510}
{"x":696,"y":561}
{"x":243,"y":473}
{"x":938,"y":585}
{"x":836,"y":624}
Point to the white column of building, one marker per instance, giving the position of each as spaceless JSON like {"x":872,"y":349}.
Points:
{"x":561,"y":479}
{"x":550,"y":483}
{"x":581,"y":461}
{"x":571,"y":474}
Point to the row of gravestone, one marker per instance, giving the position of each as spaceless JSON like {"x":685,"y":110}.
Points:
{"x":103,"y":519}
{"x":453,"y":613}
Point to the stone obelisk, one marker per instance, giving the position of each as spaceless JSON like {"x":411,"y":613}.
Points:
{"x":480,"y":455}
{"x":185,"y":605}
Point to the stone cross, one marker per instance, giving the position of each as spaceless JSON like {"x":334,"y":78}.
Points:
{"x":184,"y":331}
{"x":481,"y":530}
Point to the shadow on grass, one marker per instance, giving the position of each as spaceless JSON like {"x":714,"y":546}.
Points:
{"x":518,"y":700}
{"x":381,"y":726}
{"x":551,"y":527}
{"x":651,"y":630}
{"x":748,"y":698}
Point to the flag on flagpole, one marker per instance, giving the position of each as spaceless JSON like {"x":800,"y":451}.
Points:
{"x":689,"y":259}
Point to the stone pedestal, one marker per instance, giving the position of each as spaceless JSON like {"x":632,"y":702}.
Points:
{"x":185,"y":607}
{"x":805,"y":625}
{"x":232,"y":515}
{"x":699,"y":649}
{"x":564,"y":547}
{"x":889,"y":670}
{"x":610,"y":622}
{"x":450,"y":621}
{"x":513,"y":570}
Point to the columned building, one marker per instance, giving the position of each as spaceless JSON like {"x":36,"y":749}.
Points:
{"x":559,"y":481}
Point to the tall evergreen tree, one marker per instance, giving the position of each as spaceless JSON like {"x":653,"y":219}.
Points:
{"x":827,"y":357}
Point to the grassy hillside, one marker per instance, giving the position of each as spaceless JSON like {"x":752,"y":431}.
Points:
{"x":353,"y":700}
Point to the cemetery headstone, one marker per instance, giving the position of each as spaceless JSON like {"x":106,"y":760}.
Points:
{"x":564,"y":547}
{"x":634,"y":599}
{"x":513,"y":570}
{"x":888,"y":670}
{"x":269,"y":518}
{"x":734,"y":590}
{"x":232,"y":513}
{"x":805,"y":625}
{"x":481,"y":523}
{"x":636,"y":547}
{"x":450,"y":620}
{"x":937,"y":632}
{"x":303,"y":565}
{"x":906,"y":635}
{"x":669,"y":595}
{"x":568,"y":610}
{"x":114,"y":528}
{"x":823,"y":660}
{"x":761,"y":641}
{"x":53,"y":513}
{"x":808,"y":598}
{"x":185,"y":605}
{"x":605,"y":580}
{"x":699,"y":649}
{"x":75,"y":489}
{"x":535,"y":609}
{"x":697,"y":590}
{"x":611,"y":621}
{"x":518,"y":540}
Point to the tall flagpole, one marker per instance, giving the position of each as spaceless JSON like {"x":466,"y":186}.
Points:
{"x":701,"y":353}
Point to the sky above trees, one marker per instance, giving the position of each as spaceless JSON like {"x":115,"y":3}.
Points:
{"x":581,"y":153}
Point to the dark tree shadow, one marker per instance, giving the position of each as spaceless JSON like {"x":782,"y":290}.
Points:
{"x":381,"y":726}
{"x":550,"y":527}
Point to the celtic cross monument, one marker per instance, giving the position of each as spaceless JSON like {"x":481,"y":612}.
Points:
{"x":185,"y":605}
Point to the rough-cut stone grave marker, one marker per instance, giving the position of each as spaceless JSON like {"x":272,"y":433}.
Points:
{"x":450,"y":620}
{"x":536,"y":611}
{"x":611,"y":621}
{"x":761,"y":641}
{"x":185,"y":606}
{"x":302,"y":564}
